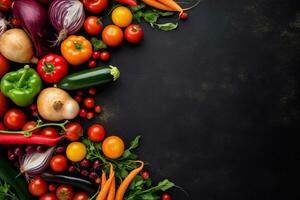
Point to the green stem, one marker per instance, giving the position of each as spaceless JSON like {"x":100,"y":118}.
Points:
{"x":21,"y":81}
{"x":39,"y":125}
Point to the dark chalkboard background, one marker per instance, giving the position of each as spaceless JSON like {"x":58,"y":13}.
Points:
{"x":214,"y":100}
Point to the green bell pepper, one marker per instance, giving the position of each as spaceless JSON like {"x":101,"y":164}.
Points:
{"x":21,"y":86}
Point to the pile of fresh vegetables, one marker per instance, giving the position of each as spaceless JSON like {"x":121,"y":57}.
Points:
{"x":46,"y":91}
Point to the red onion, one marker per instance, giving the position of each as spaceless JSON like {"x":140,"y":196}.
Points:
{"x":3,"y":23}
{"x":33,"y":18}
{"x":66,"y":16}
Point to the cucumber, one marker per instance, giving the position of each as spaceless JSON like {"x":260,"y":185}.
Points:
{"x":10,"y":175}
{"x":91,"y":77}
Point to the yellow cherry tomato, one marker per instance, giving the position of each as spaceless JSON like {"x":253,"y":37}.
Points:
{"x":113,"y":147}
{"x":76,"y":151}
{"x":121,"y":16}
{"x":76,"y":49}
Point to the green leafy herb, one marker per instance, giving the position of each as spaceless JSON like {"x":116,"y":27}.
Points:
{"x":167,"y":26}
{"x":98,"y":44}
{"x":6,"y":192}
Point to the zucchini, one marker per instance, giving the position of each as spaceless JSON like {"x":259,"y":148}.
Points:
{"x":91,"y":77}
{"x":10,"y":175}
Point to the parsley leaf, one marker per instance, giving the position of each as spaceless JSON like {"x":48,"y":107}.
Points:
{"x":98,"y":44}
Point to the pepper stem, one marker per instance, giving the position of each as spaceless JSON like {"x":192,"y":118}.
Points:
{"x":48,"y":67}
{"x":21,"y":81}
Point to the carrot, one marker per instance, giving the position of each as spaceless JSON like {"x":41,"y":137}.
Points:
{"x":124,"y":185}
{"x":172,"y":4}
{"x":112,"y":190}
{"x":157,"y":5}
{"x":103,"y":179}
{"x":104,"y":191}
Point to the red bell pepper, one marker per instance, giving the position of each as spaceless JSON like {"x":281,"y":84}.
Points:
{"x":52,"y":68}
{"x":128,"y":2}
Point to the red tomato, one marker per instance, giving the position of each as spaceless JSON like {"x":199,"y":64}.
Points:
{"x":166,"y":196}
{"x":96,"y":133}
{"x":93,"y":25}
{"x":183,"y":16}
{"x":134,"y":33}
{"x":145,"y":174}
{"x":4,"y":67}
{"x":112,"y":35}
{"x":89,"y":102}
{"x":59,"y":163}
{"x":89,"y":115}
{"x":14,"y":119}
{"x":15,"y":22}
{"x":74,"y":131}
{"x":104,"y":55}
{"x":81,"y":196}
{"x":5,"y":5}
{"x":30,"y":125}
{"x":92,"y":63}
{"x":95,"y":6}
{"x":96,"y":54}
{"x":50,"y":132}
{"x":37,"y":186}
{"x":64,"y":192}
{"x":48,"y":196}
{"x":52,"y":68}
{"x":3,"y":104}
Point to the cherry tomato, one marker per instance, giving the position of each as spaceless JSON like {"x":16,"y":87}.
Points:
{"x":96,"y":54}
{"x":48,"y":196}
{"x":5,"y":5}
{"x":113,"y":147}
{"x":81,"y":196}
{"x":92,"y":91}
{"x":82,"y":113}
{"x":166,"y":196}
{"x":74,"y":131}
{"x":52,"y":187}
{"x":33,"y":107}
{"x":95,"y":6}
{"x":14,"y":119}
{"x":78,"y":98}
{"x":30,"y":125}
{"x":89,"y":102}
{"x":96,"y":133}
{"x":4,"y":66}
{"x":112,"y":35}
{"x":76,"y":151}
{"x":59,"y":163}
{"x":50,"y":132}
{"x":104,"y":55}
{"x":145,"y":175}
{"x":184,"y":16}
{"x":121,"y":16}
{"x":37,"y":186}
{"x":92,"y":63}
{"x":93,"y":25}
{"x":98,"y":109}
{"x":134,"y":33}
{"x":89,"y":115}
{"x":3,"y":104}
{"x":15,"y":22}
{"x":65,"y":192}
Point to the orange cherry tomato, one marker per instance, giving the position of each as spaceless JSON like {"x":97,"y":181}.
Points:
{"x":76,"y":49}
{"x":113,"y":147}
{"x":112,"y":35}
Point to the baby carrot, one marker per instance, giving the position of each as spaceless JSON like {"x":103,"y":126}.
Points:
{"x":157,"y":5}
{"x":104,"y":191}
{"x":103,"y":179}
{"x":124,"y":185}
{"x":112,"y":190}
{"x":172,"y":4}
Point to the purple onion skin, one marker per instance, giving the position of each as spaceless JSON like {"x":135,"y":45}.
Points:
{"x":2,"y":15}
{"x":58,"y":10}
{"x":34,"y":20}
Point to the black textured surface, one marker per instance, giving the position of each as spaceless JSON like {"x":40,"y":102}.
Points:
{"x":214,"y":101}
